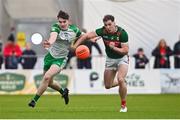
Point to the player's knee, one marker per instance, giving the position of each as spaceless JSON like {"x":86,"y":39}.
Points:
{"x":121,"y":80}
{"x":47,"y":78}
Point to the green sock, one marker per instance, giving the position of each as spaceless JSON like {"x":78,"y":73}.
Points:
{"x":36,"y":97}
{"x":61,"y":90}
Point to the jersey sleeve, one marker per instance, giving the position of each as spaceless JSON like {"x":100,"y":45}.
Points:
{"x":124,"y":37}
{"x":99,"y":31}
{"x":55,"y":28}
{"x":78,"y":32}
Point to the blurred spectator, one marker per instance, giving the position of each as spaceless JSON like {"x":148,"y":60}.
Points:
{"x":140,"y":59}
{"x":86,"y":63}
{"x":177,"y":54}
{"x":1,"y":56}
{"x":29,"y":58}
{"x":161,"y":54}
{"x":12,"y":54}
{"x":12,"y":34}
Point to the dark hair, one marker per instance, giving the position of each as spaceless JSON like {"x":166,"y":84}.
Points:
{"x":108,"y":17}
{"x":63,"y":15}
{"x":140,"y":49}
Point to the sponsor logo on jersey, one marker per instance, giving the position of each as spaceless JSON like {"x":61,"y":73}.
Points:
{"x":107,"y":42}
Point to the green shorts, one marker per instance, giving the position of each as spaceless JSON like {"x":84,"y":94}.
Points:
{"x":50,"y":60}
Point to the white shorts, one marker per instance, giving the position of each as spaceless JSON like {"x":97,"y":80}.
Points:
{"x":113,"y":64}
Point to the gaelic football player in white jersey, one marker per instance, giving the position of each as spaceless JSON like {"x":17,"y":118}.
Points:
{"x":62,"y":35}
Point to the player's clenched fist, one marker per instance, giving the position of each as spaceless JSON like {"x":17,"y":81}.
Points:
{"x":111,"y":45}
{"x":46,"y":44}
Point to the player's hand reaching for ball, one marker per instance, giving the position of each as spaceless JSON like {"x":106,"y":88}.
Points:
{"x":46,"y":44}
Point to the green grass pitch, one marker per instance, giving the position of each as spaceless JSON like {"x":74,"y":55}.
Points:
{"x":164,"y":106}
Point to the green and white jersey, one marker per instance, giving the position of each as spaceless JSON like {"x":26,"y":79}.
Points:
{"x":119,"y":37}
{"x":64,"y":40}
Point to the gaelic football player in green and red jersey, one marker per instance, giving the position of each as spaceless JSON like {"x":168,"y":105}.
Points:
{"x":62,"y":35}
{"x":116,"y":46}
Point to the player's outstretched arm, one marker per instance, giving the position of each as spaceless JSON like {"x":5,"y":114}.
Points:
{"x":52,"y":39}
{"x":95,"y":39}
{"x":84,"y":37}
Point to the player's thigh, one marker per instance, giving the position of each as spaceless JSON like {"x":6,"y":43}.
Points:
{"x":109,"y":75}
{"x":53,"y":70}
{"x":122,"y":71}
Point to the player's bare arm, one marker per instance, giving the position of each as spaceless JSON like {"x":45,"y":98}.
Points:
{"x":123,"y":50}
{"x":84,"y":37}
{"x":95,"y":39}
{"x":52,"y":39}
